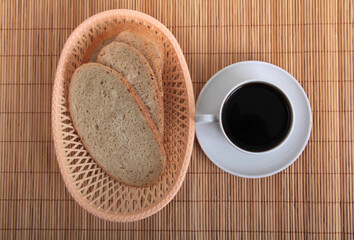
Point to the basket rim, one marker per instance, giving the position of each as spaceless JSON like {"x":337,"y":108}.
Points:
{"x":55,"y":114}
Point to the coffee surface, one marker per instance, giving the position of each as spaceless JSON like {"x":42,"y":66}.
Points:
{"x":256,"y":117}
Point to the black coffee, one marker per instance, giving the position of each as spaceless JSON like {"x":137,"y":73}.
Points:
{"x":256,"y":117}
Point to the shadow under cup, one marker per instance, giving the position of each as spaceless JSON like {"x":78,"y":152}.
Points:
{"x":256,"y":117}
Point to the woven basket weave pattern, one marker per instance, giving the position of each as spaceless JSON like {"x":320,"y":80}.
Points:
{"x":91,"y":186}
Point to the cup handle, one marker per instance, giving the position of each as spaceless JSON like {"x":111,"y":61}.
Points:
{"x":206,"y":118}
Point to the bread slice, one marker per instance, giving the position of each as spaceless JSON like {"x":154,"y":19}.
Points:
{"x":115,"y":126}
{"x":147,"y":49}
{"x":129,"y":62}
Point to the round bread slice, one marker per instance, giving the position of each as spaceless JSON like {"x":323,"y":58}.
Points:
{"x":115,"y":126}
{"x":129,"y":62}
{"x":146,"y":48}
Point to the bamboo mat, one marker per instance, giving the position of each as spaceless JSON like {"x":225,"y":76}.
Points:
{"x":312,"y":199}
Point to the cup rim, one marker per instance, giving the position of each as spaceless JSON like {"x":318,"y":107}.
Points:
{"x":264,"y":81}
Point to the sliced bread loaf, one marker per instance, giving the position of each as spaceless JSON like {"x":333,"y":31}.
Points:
{"x":129,"y":62}
{"x":115,"y":126}
{"x":146,"y":48}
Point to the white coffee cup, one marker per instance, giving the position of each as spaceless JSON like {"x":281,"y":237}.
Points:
{"x":216,"y":118}
{"x":234,"y":159}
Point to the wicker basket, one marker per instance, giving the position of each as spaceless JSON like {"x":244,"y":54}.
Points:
{"x":89,"y":185}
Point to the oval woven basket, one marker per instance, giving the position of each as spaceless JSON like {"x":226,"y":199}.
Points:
{"x":91,"y":186}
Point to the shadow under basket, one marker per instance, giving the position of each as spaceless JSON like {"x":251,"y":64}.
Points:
{"x":89,"y":184}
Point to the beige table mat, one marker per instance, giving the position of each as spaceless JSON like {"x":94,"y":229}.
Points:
{"x":312,"y":199}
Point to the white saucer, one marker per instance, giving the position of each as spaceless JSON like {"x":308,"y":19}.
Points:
{"x":241,"y":163}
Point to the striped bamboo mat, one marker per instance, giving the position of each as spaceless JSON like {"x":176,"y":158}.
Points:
{"x":312,"y":199}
